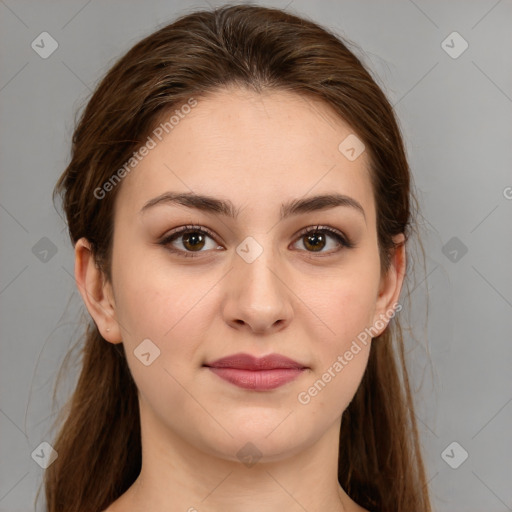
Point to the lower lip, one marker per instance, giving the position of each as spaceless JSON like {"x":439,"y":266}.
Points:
{"x":257,"y":380}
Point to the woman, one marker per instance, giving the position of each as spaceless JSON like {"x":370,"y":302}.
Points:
{"x":239,"y":201}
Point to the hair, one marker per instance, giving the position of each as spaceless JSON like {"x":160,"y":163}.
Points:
{"x":263,"y":50}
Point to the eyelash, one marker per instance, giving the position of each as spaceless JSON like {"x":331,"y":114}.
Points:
{"x":166,"y":241}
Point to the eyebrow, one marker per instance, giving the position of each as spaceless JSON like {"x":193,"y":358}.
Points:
{"x":225,"y":207}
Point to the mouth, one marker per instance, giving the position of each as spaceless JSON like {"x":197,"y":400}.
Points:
{"x":257,"y":374}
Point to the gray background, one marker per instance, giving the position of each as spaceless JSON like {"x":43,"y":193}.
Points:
{"x":455,"y":114}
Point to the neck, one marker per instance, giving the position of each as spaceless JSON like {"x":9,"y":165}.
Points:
{"x":176,"y":476}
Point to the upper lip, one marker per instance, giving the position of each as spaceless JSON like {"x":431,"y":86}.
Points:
{"x":248,"y":362}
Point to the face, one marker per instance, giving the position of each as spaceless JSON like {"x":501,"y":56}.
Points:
{"x":257,"y":283}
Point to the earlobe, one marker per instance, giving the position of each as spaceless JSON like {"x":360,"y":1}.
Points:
{"x":390,"y":287}
{"x":96,"y":292}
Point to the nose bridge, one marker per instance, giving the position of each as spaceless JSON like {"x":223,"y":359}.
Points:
{"x":257,"y":264}
{"x":260,"y":297}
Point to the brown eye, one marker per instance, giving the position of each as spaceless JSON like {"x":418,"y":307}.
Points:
{"x":191,"y":239}
{"x":194,"y":239}
{"x":316,"y":239}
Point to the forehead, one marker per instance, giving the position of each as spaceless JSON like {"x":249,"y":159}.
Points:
{"x":251,"y":148}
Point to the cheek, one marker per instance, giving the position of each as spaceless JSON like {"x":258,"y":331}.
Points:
{"x":341,"y":356}
{"x":346,"y":302}
{"x":163,"y":308}
{"x":154,"y":299}
{"x":345,"y":305}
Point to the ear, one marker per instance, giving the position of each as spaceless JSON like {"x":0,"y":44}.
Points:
{"x":389,"y":288}
{"x":96,"y":292}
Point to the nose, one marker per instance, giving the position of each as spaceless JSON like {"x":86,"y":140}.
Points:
{"x":258,"y":299}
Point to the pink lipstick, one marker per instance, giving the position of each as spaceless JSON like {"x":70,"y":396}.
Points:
{"x":258,"y":374}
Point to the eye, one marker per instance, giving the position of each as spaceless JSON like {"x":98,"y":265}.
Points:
{"x":192,"y":239}
{"x":315,"y":239}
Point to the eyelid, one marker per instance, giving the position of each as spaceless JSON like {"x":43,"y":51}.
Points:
{"x":191,"y":227}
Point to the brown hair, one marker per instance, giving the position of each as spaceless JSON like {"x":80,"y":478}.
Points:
{"x":98,"y":444}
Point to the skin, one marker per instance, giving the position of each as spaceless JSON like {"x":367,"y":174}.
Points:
{"x":257,"y":150}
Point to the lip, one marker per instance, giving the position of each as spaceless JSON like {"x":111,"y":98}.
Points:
{"x":258,"y":374}
{"x":247,"y":362}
